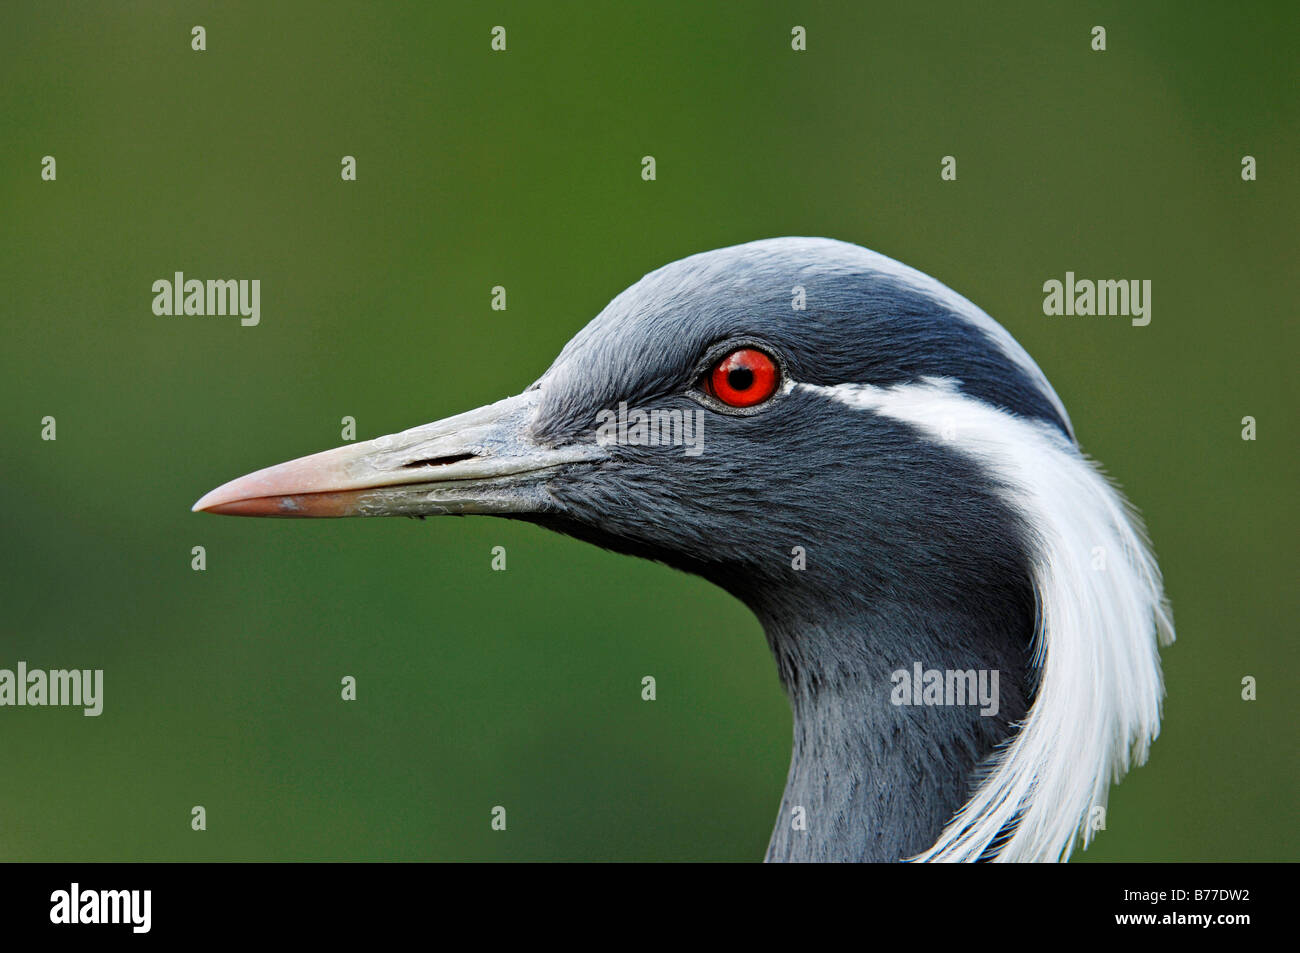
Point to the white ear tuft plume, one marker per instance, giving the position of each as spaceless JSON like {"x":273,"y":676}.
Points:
{"x":1101,"y":617}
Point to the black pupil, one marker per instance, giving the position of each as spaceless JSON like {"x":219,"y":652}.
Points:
{"x":740,"y":378}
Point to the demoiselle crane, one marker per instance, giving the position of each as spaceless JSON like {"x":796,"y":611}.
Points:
{"x":964,"y":612}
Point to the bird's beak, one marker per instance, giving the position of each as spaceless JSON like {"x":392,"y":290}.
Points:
{"x":483,"y":461}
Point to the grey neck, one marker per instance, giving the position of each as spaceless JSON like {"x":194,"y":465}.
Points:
{"x":872,"y":780}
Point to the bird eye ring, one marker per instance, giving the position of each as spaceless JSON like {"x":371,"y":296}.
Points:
{"x":744,"y":378}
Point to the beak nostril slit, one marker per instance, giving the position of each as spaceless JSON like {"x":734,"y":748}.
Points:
{"x":439,"y":461}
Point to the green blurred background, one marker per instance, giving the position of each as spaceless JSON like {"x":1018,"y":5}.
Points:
{"x":522,"y":688}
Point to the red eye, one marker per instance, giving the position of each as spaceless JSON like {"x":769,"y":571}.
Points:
{"x":743,"y":378}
